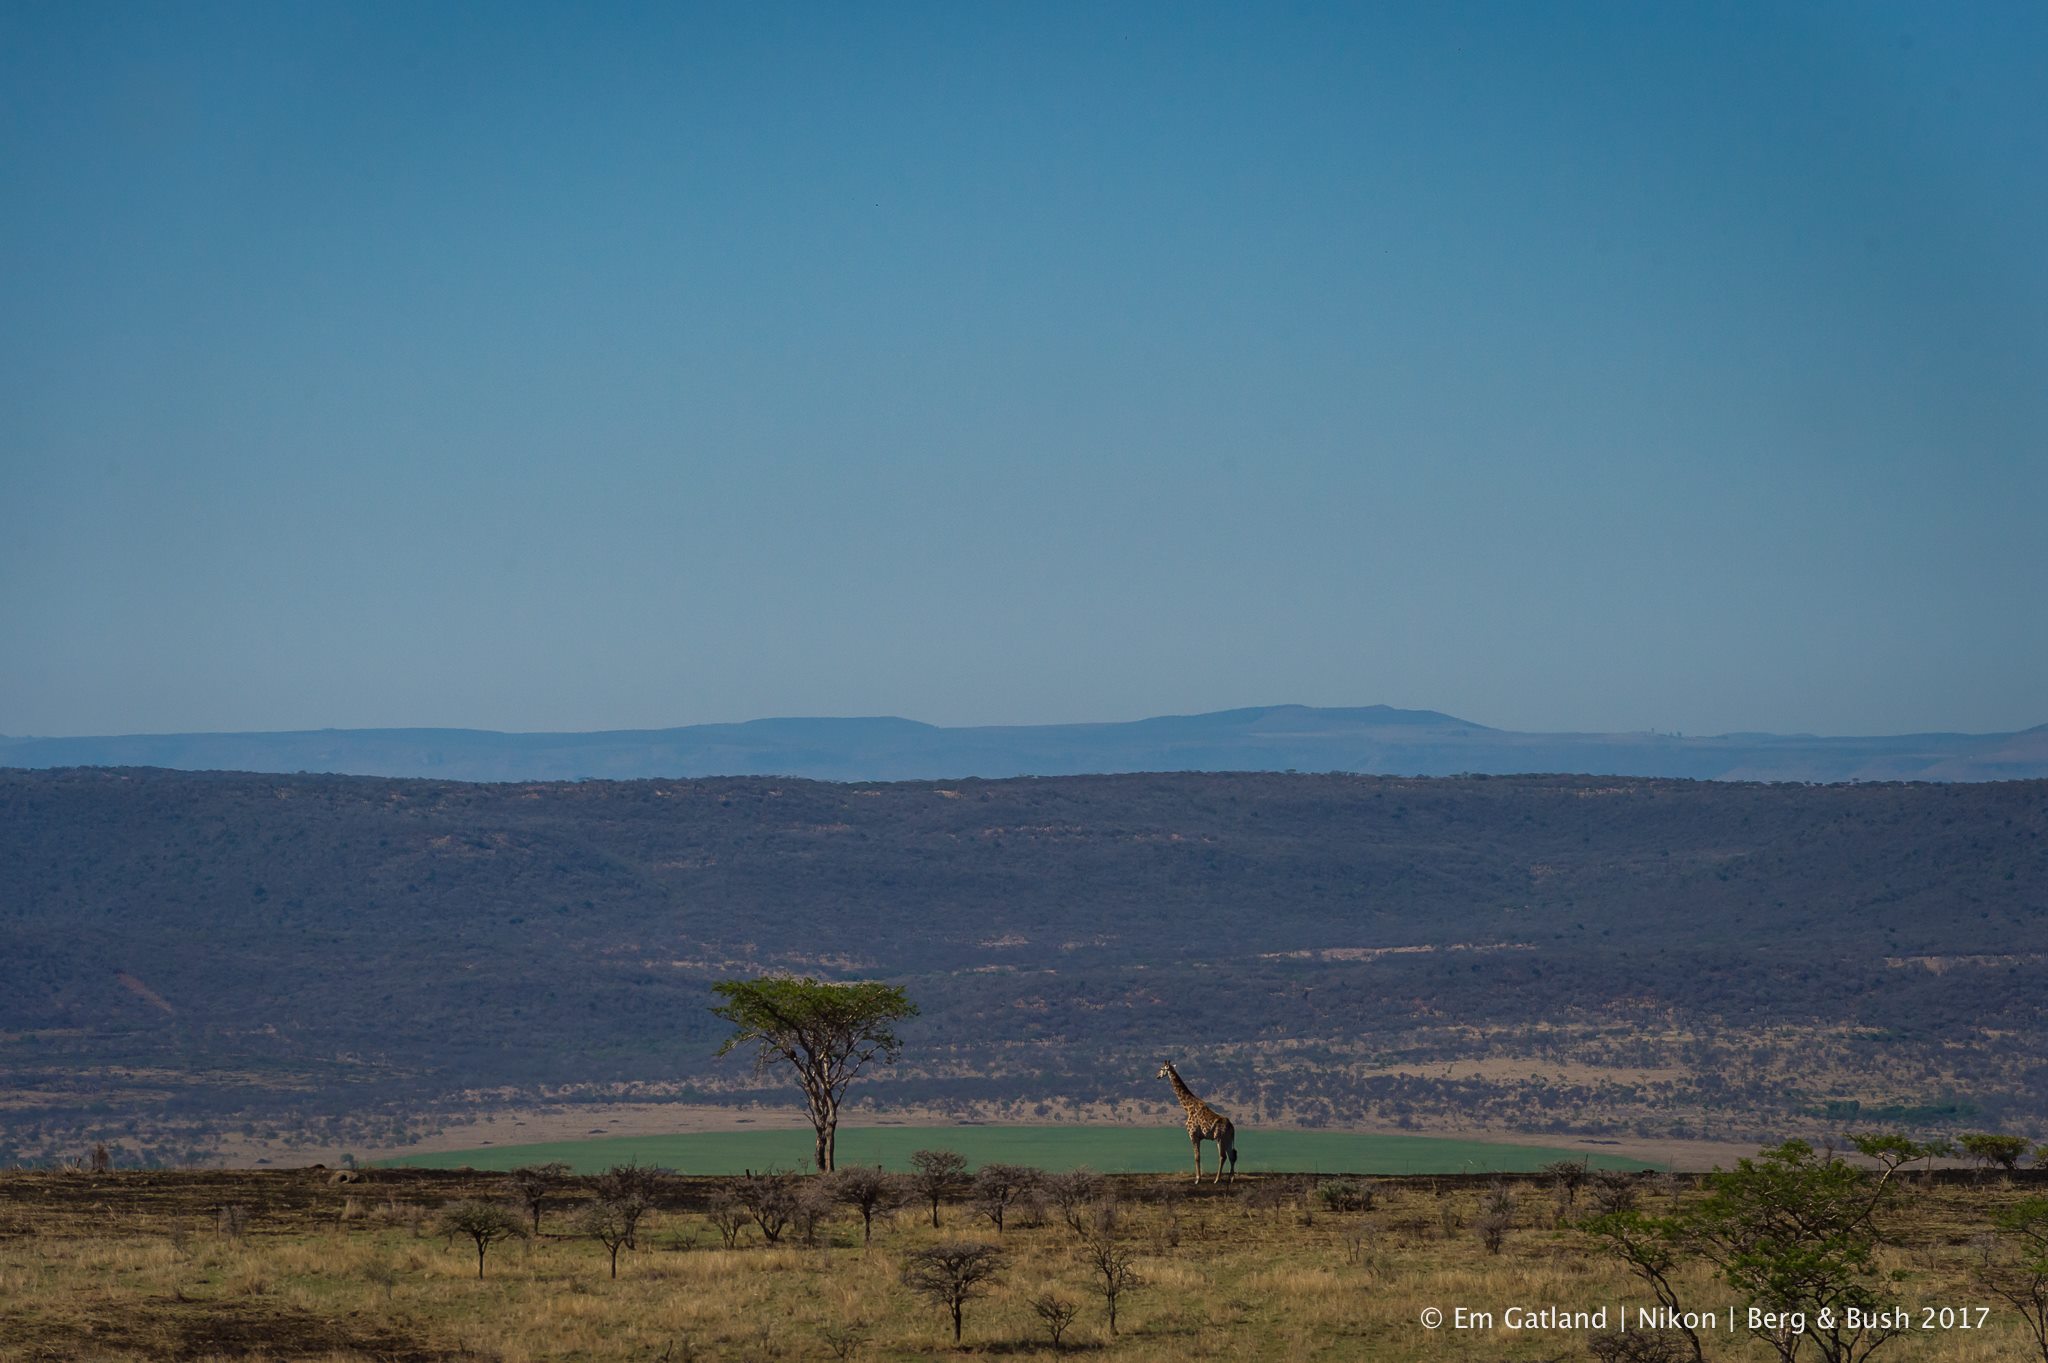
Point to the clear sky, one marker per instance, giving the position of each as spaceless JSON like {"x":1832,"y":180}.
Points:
{"x":523,"y":366}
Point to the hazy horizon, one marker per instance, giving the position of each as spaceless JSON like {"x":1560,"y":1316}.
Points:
{"x":1098,"y":721}
{"x":1600,"y":369}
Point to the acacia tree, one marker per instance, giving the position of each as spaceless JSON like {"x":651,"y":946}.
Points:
{"x":1796,"y":1231}
{"x":532,"y":1183}
{"x":2017,"y":1266}
{"x":1118,"y":1269}
{"x":1652,"y":1248}
{"x":826,"y":1033}
{"x":867,"y":1191}
{"x":1895,"y":1150}
{"x":936,"y":1175}
{"x":1992,"y":1150}
{"x":630,"y":1190}
{"x":611,"y":1224}
{"x":484,"y":1222}
{"x":952,"y":1274}
{"x":999,"y":1187}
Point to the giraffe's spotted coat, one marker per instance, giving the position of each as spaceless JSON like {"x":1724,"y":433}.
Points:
{"x":1205,"y":1123}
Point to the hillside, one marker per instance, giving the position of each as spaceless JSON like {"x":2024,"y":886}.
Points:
{"x":1568,"y":953}
{"x":1369,"y":739}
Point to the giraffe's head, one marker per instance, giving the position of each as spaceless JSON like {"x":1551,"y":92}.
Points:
{"x":1165,"y":1068}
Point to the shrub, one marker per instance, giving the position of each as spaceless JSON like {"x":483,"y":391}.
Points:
{"x":1346,"y":1195}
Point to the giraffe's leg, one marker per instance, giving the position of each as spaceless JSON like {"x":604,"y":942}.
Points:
{"x":1196,"y":1141}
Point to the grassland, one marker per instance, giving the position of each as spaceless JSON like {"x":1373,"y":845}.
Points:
{"x":1106,"y":1149}
{"x":136,"y":1266}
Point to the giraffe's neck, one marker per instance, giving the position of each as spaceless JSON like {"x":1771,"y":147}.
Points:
{"x":1182,"y":1091}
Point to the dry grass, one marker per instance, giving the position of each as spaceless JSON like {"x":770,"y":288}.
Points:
{"x":133,"y":1267}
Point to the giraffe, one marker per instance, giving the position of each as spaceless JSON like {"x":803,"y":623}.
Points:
{"x":1205,"y":1123}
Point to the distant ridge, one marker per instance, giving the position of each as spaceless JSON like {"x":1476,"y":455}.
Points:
{"x":1376,"y":739}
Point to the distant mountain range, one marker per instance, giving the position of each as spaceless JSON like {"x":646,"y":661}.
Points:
{"x":1371,"y":739}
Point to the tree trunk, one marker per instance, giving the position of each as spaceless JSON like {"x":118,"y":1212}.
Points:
{"x":832,"y":1144}
{"x":615,"y":1261}
{"x":956,"y":1322}
{"x":479,"y":1258}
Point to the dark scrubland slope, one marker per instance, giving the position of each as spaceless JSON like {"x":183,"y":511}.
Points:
{"x":1550,"y":952}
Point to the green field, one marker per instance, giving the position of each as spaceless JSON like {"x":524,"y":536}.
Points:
{"x":1107,"y":1149}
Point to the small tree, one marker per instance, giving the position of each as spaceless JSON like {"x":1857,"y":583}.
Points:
{"x":868,"y":1192}
{"x":1073,"y":1193}
{"x":1496,"y":1217}
{"x":1613,"y":1192}
{"x":729,"y":1216}
{"x":1116,"y":1271}
{"x":811,"y":1202}
{"x":999,"y":1187}
{"x":826,"y":1033}
{"x":952,"y":1274}
{"x":770,"y":1199}
{"x":631,"y":1188}
{"x":611,"y":1224}
{"x":486,"y":1223}
{"x":532,"y":1184}
{"x":1056,"y":1313}
{"x":2015,"y":1267}
{"x":936,"y":1175}
{"x":1989,"y":1150}
{"x":1651,"y":1248}
{"x":1567,"y":1176}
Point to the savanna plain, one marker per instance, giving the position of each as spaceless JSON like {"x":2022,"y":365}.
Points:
{"x":352,"y":1266}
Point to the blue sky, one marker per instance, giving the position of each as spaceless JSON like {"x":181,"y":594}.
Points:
{"x":1600,"y":367}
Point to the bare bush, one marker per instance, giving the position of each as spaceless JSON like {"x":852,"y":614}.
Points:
{"x":844,"y":1338}
{"x":770,"y":1200}
{"x":869,"y":1192}
{"x":936,"y":1175}
{"x":233,"y":1220}
{"x":1496,"y":1216}
{"x":1072,"y":1194}
{"x":1567,"y":1176}
{"x":531,"y":1185}
{"x":811,"y":1205}
{"x":1116,"y":1269}
{"x":1613,"y":1192}
{"x":952,"y":1274}
{"x":1056,"y":1313}
{"x":1000,"y":1187}
{"x":729,"y":1216}
{"x":611,"y":1224}
{"x":632,"y":1188}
